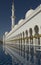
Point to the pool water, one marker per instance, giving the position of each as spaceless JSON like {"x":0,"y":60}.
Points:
{"x":4,"y":59}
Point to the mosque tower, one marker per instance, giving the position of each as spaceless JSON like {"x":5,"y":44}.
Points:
{"x":13,"y":17}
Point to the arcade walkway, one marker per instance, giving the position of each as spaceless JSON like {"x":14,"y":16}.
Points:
{"x":4,"y":59}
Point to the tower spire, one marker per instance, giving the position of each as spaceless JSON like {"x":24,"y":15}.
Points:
{"x":13,"y":17}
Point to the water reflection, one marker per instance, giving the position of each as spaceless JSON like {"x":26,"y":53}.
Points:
{"x":32,"y":54}
{"x":38,"y":57}
{"x":33,"y":58}
{"x":27,"y":53}
{"x":4,"y":59}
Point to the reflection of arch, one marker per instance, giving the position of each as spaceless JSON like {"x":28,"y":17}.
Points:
{"x":32,"y":55}
{"x":21,"y":43}
{"x":24,"y":44}
{"x":32,"y":50}
{"x":36,"y":28}
{"x":31,"y":43}
{"x":27,"y":48}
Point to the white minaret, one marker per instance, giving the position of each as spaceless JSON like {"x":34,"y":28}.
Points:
{"x":13,"y":17}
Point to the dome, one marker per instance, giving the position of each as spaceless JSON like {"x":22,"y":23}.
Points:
{"x":20,"y":21}
{"x":29,"y":13}
{"x":16,"y":25}
{"x":6,"y":33}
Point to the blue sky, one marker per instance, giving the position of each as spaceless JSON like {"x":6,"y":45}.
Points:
{"x":21,"y":7}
